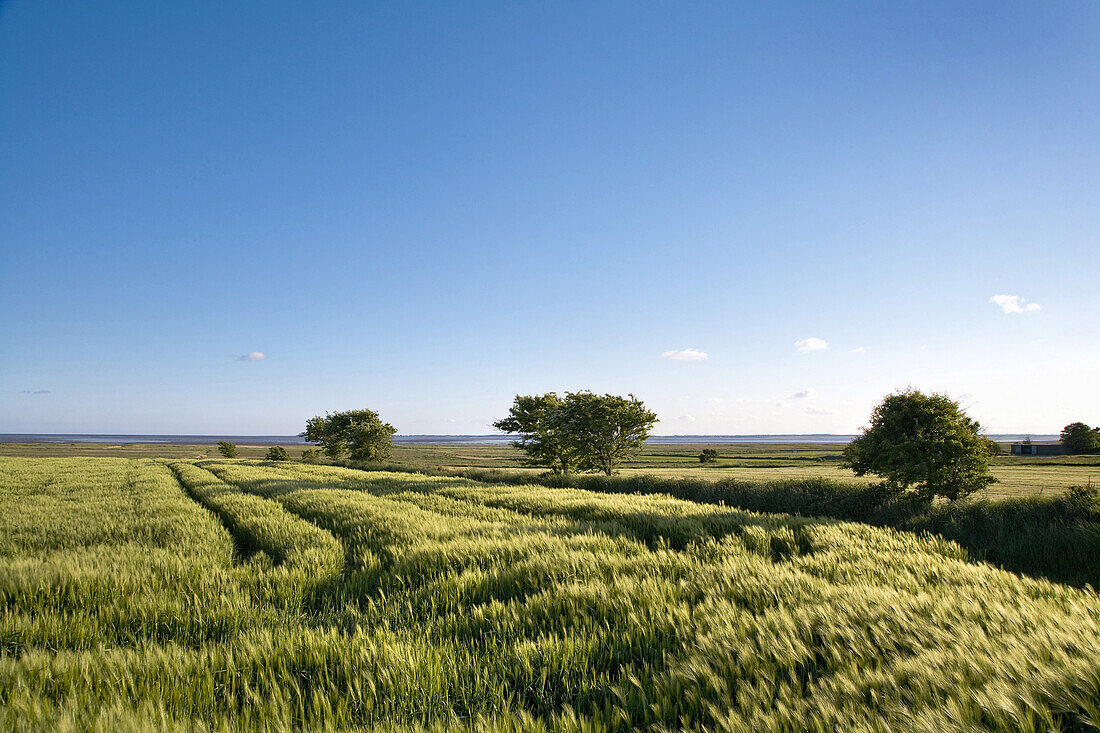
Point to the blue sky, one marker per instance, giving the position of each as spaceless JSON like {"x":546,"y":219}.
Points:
{"x":425,"y":209}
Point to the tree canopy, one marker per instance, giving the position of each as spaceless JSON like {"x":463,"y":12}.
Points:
{"x":360,"y":434}
{"x":1078,"y":437}
{"x":925,"y":444}
{"x":537,"y":419}
{"x":581,"y":431}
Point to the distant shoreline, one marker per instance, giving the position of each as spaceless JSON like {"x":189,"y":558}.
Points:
{"x":442,"y":439}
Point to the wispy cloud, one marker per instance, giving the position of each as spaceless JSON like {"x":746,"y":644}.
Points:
{"x":716,"y":400}
{"x":1014,"y":304}
{"x":685,"y":355}
{"x":803,"y":394}
{"x":37,"y":391}
{"x":817,"y":411}
{"x":687,"y":418}
{"x":253,"y":356}
{"x":859,"y":350}
{"x":811,"y":344}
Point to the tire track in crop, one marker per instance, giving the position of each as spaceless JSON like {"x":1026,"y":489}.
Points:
{"x":262,"y":525}
{"x":243,"y":549}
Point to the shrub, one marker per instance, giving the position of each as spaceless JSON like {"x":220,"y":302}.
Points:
{"x":709,"y":455}
{"x":311,"y":455}
{"x":277,"y":453}
{"x":227,"y":449}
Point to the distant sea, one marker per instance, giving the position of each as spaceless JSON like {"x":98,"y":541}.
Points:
{"x":441,"y":439}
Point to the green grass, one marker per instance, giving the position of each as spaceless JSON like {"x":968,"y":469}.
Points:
{"x":1018,"y":476}
{"x":241,"y":595}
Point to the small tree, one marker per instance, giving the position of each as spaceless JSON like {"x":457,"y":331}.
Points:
{"x":924,"y":443}
{"x":277,"y":453}
{"x":581,"y":431}
{"x":537,"y":419}
{"x":359,"y":433}
{"x":605,"y":429}
{"x":708,"y":455}
{"x":311,"y":455}
{"x":227,"y":449}
{"x":1080,"y":438}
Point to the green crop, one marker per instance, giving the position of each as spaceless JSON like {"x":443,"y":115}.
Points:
{"x":238,"y":595}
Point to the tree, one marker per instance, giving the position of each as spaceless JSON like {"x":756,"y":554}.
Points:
{"x":1080,"y":438}
{"x":606,"y":429}
{"x":227,"y":449}
{"x":708,"y":455}
{"x":923,"y":443}
{"x":538,"y":421}
{"x":359,"y":433}
{"x":582,"y":431}
{"x":277,"y":453}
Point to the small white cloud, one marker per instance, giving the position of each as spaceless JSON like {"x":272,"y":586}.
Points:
{"x":859,"y":350}
{"x":36,"y":391}
{"x":687,"y":418}
{"x":811,"y":344}
{"x":817,"y":411}
{"x":716,"y":400}
{"x":803,"y":394}
{"x":1014,"y":304}
{"x":253,"y":356}
{"x":781,"y":403}
{"x":685,"y":355}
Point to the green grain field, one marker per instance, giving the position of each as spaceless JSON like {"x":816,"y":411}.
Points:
{"x":160,"y":594}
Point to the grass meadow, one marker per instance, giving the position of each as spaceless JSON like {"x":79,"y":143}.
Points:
{"x":1017,"y":476}
{"x":240,"y":595}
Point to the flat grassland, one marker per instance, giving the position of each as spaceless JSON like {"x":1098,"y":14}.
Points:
{"x":1016,"y":475}
{"x":242,"y":595}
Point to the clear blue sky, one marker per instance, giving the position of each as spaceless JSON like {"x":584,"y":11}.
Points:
{"x":427,"y":208}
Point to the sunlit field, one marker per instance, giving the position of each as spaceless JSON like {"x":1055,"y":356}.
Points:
{"x":240,"y":595}
{"x":1016,"y":476}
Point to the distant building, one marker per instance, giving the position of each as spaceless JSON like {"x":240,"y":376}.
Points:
{"x":1038,"y":449}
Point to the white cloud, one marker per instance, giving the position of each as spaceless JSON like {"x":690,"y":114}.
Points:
{"x":36,"y":391}
{"x":716,"y":400}
{"x":803,"y":394}
{"x":817,"y":411}
{"x":687,"y":418}
{"x":685,"y":355}
{"x":859,"y":350}
{"x":253,"y":356}
{"x":1014,"y":304}
{"x":781,"y":403}
{"x":811,"y":344}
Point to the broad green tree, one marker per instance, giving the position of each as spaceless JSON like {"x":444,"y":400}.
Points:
{"x":922,"y":443}
{"x":1080,"y":438}
{"x":227,"y":449}
{"x":581,"y":431}
{"x":607,"y":429}
{"x":359,"y":433}
{"x":537,"y":420}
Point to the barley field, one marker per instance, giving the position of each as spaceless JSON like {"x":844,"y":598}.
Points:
{"x":196,"y":595}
